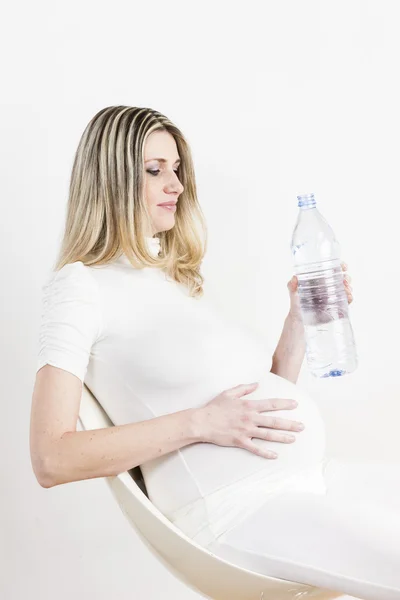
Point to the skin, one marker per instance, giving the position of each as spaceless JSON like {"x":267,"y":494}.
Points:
{"x":161,"y":179}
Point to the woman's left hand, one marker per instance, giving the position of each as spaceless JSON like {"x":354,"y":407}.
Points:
{"x":294,"y":295}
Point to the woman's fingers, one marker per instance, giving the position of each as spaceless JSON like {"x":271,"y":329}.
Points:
{"x":277,"y":423}
{"x":293,"y":284}
{"x":242,"y":389}
{"x":251,"y":447}
{"x":347,"y":280}
{"x":347,"y":283}
{"x":272,"y":436}
{"x":272,"y":404}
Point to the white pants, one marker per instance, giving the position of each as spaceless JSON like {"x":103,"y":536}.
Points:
{"x":347,"y":539}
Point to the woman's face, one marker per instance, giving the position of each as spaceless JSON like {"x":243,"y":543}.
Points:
{"x":161,"y":161}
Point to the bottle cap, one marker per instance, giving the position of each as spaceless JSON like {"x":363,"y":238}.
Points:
{"x":306,"y":200}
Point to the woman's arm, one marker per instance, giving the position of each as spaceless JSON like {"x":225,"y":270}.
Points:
{"x":289,"y":353}
{"x":60,"y":454}
{"x":103,"y":452}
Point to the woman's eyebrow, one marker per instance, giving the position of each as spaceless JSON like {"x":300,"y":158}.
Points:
{"x":163,"y":160}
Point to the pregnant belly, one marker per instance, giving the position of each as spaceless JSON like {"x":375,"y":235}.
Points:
{"x":214,"y":467}
{"x":179,"y":482}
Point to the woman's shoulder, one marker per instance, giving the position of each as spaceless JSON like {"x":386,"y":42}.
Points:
{"x":76,"y":272}
{"x":73,"y":280}
{"x":71,"y":318}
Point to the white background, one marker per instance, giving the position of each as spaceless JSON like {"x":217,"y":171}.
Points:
{"x":276,"y":99}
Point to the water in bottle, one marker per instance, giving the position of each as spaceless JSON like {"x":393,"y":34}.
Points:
{"x":330,"y":345}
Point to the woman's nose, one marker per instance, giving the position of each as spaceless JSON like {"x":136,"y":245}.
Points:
{"x":175,"y":185}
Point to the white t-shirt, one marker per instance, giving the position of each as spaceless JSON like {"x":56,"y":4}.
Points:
{"x":145,"y":348}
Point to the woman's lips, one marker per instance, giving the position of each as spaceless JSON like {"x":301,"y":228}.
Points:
{"x":170,"y":207}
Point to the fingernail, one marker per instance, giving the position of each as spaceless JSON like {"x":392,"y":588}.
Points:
{"x":294,"y":403}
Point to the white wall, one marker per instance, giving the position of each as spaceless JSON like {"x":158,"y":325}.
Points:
{"x":276,"y":98}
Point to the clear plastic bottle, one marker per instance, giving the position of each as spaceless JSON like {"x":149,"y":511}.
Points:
{"x":330,"y":345}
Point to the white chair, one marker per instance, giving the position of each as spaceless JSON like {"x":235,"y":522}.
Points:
{"x":192,"y":564}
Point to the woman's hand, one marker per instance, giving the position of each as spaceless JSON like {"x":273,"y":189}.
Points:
{"x":292,"y":286}
{"x":229,"y":420}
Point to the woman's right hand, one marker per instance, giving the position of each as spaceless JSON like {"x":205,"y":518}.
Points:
{"x":229,"y":420}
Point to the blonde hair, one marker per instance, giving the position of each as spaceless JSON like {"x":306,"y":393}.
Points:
{"x":107,"y":213}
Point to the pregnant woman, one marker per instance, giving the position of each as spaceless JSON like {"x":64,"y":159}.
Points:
{"x":196,"y":401}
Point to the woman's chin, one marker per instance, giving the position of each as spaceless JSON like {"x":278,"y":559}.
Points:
{"x":165,"y":224}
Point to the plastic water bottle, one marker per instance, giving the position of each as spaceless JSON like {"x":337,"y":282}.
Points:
{"x":330,"y":345}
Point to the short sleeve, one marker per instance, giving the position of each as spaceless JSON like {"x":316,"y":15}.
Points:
{"x":71,"y":319}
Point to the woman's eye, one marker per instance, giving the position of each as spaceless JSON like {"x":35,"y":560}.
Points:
{"x":155,"y":172}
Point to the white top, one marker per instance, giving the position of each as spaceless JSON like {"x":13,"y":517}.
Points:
{"x":145,"y":348}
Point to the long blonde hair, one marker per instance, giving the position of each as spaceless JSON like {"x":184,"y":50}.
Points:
{"x":107,"y":213}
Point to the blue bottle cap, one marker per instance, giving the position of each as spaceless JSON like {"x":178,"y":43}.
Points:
{"x":306,"y":200}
